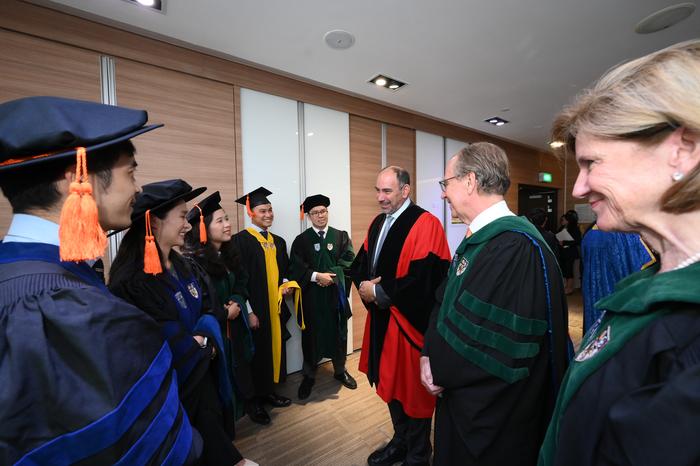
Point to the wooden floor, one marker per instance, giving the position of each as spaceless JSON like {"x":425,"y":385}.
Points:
{"x":334,"y":426}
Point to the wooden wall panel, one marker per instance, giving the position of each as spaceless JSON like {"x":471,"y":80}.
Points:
{"x":197,"y":143}
{"x":31,"y":66}
{"x":365,"y":163}
{"x":401,"y":151}
{"x":571,"y":175}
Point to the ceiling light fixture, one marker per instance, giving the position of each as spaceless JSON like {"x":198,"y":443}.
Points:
{"x":156,"y":5}
{"x":385,"y":81}
{"x":496,"y":121}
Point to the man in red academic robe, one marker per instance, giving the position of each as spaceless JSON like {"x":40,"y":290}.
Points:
{"x":403,"y":260}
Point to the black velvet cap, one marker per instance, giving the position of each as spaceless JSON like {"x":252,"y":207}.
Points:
{"x":209,"y":205}
{"x":257,"y":197}
{"x":36,"y":130}
{"x":161,"y":196}
{"x":314,"y":201}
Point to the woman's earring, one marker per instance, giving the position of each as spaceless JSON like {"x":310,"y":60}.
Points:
{"x":677,"y":176}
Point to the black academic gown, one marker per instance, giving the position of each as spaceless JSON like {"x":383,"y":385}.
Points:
{"x":86,"y":377}
{"x":199,"y":376}
{"x":500,"y":366}
{"x":326,"y":309}
{"x":254,"y":280}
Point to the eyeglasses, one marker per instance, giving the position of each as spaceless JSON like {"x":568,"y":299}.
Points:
{"x":316,"y":213}
{"x":443,"y":183}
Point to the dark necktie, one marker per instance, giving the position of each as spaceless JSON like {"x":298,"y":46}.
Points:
{"x":264,"y":233}
{"x":321,"y":234}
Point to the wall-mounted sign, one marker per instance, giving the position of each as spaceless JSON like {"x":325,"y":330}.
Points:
{"x":544,"y":177}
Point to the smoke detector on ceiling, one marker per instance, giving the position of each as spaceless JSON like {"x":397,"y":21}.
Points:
{"x":665,"y":18}
{"x":339,"y":39}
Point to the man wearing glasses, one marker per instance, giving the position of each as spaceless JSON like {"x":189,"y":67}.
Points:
{"x":496,"y":350}
{"x":402,"y":262}
{"x":320,"y":259}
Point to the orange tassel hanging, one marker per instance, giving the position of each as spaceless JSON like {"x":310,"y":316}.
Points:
{"x":301,"y":212}
{"x":80,"y":235}
{"x":202,"y":227}
{"x":151,"y":259}
{"x":247,"y":207}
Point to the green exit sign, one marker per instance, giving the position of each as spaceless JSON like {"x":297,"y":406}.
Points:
{"x":545,"y":177}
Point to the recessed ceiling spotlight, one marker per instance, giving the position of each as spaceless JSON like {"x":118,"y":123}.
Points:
{"x":556,"y":144}
{"x":339,"y":39}
{"x":387,"y":82}
{"x":497,"y":121}
{"x":664,"y":18}
{"x":157,"y":5}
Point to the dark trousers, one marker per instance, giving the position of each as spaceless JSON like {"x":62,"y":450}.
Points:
{"x":412,"y":433}
{"x":309,"y":369}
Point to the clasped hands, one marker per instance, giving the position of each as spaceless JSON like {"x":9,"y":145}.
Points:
{"x":366,"y":289}
{"x":324,"y":278}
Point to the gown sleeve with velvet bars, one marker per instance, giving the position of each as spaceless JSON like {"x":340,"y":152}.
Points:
{"x":326,"y":309}
{"x":412,"y":263}
{"x":62,"y":334}
{"x":491,"y":348}
{"x":254,"y":280}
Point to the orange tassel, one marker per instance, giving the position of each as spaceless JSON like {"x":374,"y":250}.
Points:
{"x":80,"y":235}
{"x":247,"y":207}
{"x":301,"y":212}
{"x":151,"y":259}
{"x":202,"y":227}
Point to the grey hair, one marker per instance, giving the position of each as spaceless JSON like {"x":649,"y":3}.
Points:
{"x":489,"y":164}
{"x":401,"y":175}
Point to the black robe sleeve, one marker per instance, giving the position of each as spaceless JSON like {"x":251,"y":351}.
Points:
{"x":508,"y":374}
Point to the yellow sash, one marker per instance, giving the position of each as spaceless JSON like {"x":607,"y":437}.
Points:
{"x":274,"y":296}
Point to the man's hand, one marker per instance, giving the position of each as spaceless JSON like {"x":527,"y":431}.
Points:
{"x":233,"y":309}
{"x":426,"y":377}
{"x":287,"y":291}
{"x":367,"y":289}
{"x":324,"y":279}
{"x":253,"y":320}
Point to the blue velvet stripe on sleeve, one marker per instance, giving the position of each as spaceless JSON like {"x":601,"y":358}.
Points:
{"x":106,"y":431}
{"x":181,"y":449}
{"x":157,"y":431}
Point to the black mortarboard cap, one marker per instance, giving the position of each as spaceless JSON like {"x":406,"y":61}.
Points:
{"x":35,"y":130}
{"x":315,"y":200}
{"x":254,"y":198}
{"x":162,"y":196}
{"x":208,"y":206}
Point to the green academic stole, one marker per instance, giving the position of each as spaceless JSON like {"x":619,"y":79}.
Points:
{"x":461,"y":266}
{"x":605,"y":339}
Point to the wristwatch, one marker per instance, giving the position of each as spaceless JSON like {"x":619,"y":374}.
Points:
{"x":203,"y":344}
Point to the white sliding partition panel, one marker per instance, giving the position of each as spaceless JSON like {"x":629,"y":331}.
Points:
{"x":455,"y":231}
{"x":327,"y":166}
{"x":430,"y":168}
{"x":270,"y":142}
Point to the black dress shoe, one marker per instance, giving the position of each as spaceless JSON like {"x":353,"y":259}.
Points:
{"x":277,"y":401}
{"x":257,"y":414}
{"x":390,"y":454}
{"x":346,"y":379}
{"x":305,"y":388}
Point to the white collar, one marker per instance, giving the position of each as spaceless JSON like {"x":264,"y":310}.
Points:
{"x":325,"y":230}
{"x":27,"y":228}
{"x":496,"y":211}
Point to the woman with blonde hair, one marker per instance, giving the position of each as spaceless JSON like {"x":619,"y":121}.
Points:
{"x":632,"y":393}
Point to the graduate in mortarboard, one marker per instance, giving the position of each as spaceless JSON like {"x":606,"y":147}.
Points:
{"x":209,"y":244}
{"x":152,"y":275}
{"x":86,"y":377}
{"x":265,"y":261}
{"x":320,"y":260}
